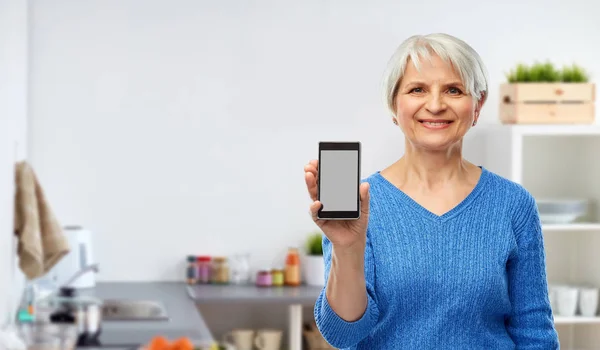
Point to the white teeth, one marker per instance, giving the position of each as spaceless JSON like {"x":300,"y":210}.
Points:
{"x":436,"y":124}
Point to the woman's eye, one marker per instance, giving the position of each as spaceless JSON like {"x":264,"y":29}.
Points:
{"x":454,"y":91}
{"x":417,"y":90}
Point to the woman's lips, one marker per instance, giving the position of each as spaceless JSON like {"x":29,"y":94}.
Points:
{"x":436,"y":124}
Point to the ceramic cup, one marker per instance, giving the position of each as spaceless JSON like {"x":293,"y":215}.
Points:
{"x":566,"y":300}
{"x":241,"y":338}
{"x":268,"y":339}
{"x":588,"y":301}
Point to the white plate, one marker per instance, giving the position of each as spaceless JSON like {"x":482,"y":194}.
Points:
{"x":558,"y":218}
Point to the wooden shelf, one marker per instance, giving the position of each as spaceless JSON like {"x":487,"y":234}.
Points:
{"x":575,"y":320}
{"x":579,"y":226}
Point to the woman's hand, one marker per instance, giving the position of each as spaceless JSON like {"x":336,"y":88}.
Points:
{"x":343,"y":234}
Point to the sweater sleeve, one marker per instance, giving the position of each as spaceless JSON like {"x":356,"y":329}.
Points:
{"x":531,"y":324}
{"x":335,"y":330}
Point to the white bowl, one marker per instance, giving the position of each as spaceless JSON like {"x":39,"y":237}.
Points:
{"x":561,"y":210}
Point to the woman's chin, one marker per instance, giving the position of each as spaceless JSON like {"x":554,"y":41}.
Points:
{"x":434,"y":143}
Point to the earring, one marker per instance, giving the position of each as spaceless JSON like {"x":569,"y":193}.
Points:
{"x":395,"y":121}
{"x":474,"y":122}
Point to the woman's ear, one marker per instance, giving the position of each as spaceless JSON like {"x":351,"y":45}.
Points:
{"x":478,"y":107}
{"x":482,"y":99}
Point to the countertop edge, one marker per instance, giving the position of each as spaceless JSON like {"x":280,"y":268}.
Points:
{"x":183,"y":321}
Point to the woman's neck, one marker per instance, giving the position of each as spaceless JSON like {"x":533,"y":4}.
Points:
{"x":431,"y":170}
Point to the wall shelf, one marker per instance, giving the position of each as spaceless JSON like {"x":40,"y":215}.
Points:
{"x":580,"y":226}
{"x":558,"y":161}
{"x":562,"y":320}
{"x":556,"y":130}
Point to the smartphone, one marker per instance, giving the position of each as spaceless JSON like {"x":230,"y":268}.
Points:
{"x":338,"y":180}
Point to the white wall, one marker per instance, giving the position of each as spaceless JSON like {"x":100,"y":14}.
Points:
{"x":180,"y":127}
{"x":13,"y":126}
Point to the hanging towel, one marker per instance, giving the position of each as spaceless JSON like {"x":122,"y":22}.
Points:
{"x":41,"y":243}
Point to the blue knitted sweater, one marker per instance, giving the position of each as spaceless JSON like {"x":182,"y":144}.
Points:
{"x":472,"y":278}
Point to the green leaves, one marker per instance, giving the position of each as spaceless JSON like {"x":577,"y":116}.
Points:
{"x":521,"y":74}
{"x":574,"y":74}
{"x":314,"y":244}
{"x":546,"y":72}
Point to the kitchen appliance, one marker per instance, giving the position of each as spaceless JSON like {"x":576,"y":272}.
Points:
{"x":68,"y":309}
{"x":80,"y":256}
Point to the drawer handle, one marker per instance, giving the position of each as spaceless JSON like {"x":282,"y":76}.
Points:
{"x":559,"y":92}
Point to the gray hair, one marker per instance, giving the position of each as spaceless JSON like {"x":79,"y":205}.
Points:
{"x":463,"y":58}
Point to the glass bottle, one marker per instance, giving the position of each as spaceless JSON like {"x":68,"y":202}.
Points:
{"x":220,"y":270}
{"x":191,"y":270}
{"x":263,"y":278}
{"x":240,"y":268}
{"x":204,"y":272}
{"x":292,"y":267}
{"x":277,"y":277}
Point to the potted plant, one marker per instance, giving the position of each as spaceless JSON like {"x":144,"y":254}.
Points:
{"x":314,"y":267}
{"x":543,"y":94}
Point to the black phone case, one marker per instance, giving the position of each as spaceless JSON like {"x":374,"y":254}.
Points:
{"x":340,"y":215}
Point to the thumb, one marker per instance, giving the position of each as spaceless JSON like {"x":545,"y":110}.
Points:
{"x":364,"y":198}
{"x":314,"y":209}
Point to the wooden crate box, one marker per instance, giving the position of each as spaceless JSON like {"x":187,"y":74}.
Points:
{"x":547,"y":103}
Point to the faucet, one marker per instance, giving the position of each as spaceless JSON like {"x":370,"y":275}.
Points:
{"x":83,"y":271}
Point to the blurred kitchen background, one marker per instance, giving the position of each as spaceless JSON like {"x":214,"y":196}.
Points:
{"x":177,"y":128}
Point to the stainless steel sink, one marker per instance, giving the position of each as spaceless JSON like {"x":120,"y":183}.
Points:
{"x":133,"y":310}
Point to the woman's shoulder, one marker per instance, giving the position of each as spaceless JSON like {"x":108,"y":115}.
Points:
{"x":372,"y":178}
{"x":505,"y":187}
{"x":513,"y":194}
{"x":378,"y":184}
{"x":382,"y":193}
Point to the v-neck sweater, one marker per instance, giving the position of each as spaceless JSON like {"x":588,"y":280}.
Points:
{"x":472,"y":278}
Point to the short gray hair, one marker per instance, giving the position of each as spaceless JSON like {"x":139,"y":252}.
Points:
{"x":463,"y":58}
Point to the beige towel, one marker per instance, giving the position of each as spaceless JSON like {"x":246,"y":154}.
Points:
{"x":41,"y":240}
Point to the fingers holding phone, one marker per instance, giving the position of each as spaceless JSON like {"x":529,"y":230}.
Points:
{"x":364,"y":199}
{"x":340,"y":202}
{"x":311,"y":178}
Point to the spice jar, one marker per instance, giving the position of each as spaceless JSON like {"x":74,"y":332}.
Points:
{"x":203,"y":269}
{"x":220,"y":270}
{"x":277,"y":277}
{"x":263,"y":278}
{"x":191,"y":270}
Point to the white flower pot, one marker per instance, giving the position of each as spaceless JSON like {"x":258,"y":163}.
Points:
{"x":314,"y":270}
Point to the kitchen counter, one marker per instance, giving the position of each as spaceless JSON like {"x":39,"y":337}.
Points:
{"x":294,"y":297}
{"x":205,"y":294}
{"x":180,"y":301}
{"x":184,"y":318}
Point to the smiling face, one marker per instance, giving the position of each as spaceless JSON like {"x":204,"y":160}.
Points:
{"x":433,"y":107}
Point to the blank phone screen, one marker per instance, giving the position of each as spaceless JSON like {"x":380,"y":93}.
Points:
{"x":338,"y":182}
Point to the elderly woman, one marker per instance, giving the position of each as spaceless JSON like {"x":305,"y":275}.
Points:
{"x":446,"y":254}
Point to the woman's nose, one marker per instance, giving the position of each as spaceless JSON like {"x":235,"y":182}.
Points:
{"x":435,"y":104}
